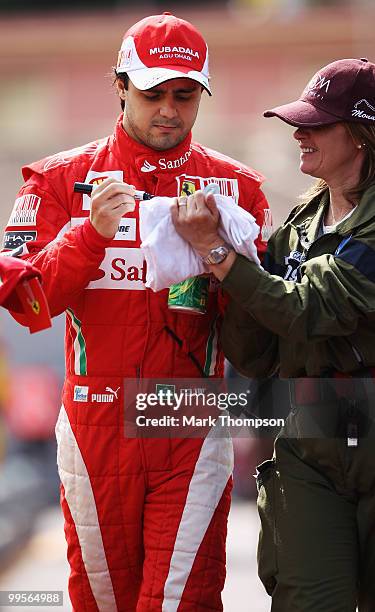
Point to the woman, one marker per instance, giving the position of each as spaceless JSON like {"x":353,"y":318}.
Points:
{"x":310,"y":315}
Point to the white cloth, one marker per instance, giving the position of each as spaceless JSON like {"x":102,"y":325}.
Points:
{"x":170,"y":259}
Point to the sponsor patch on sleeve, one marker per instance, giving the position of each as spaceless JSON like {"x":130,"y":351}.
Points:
{"x":25,"y":210}
{"x":13,"y":240}
{"x":267,"y":227}
{"x":19,"y":252}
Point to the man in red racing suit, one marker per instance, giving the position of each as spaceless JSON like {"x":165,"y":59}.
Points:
{"x":145,"y":519}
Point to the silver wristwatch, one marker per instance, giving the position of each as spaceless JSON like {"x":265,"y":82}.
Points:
{"x":217,"y":255}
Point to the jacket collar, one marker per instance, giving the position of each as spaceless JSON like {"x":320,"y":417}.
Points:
{"x":147,"y":160}
{"x":307,"y":219}
{"x":364,"y":213}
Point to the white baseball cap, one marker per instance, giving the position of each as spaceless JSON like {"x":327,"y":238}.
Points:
{"x":163,"y":47}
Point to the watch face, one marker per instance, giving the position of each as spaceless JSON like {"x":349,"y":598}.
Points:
{"x":218,"y":255}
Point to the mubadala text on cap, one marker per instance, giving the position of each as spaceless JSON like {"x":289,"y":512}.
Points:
{"x":185,"y":50}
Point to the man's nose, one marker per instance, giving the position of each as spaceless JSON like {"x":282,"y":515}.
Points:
{"x":168,"y":110}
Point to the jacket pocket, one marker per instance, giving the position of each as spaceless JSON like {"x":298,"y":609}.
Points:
{"x":267,"y":483}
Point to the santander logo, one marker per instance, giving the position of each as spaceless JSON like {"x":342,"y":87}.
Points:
{"x":167,"y":164}
{"x":147,"y":167}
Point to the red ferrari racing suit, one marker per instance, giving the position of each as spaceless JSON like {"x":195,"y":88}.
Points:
{"x":145,"y":519}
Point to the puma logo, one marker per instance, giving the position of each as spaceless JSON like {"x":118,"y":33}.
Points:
{"x":112,"y":391}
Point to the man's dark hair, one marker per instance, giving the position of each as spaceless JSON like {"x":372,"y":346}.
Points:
{"x":125,"y":79}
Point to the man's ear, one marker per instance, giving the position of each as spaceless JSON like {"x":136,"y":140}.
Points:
{"x":121,"y":89}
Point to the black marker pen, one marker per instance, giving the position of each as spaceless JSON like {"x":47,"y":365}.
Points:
{"x":87,"y":189}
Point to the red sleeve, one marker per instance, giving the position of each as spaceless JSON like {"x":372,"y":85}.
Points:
{"x":39,"y":230}
{"x":257,"y":205}
{"x":263,"y":217}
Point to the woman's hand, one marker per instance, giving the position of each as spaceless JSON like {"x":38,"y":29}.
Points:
{"x":196,"y":219}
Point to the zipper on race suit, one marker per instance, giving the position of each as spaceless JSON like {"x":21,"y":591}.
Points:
{"x":191,"y":355}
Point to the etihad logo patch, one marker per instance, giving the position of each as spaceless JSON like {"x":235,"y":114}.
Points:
{"x":18,"y":252}
{"x":13,"y":240}
{"x":25,"y":210}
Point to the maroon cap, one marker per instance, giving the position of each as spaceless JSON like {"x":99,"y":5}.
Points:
{"x":21,"y":293}
{"x":341,"y":91}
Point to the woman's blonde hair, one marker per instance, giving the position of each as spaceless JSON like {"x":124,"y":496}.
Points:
{"x":361,"y":134}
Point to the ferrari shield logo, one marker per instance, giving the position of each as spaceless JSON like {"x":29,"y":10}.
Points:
{"x":187,"y":188}
{"x":35,"y":306}
{"x":187,"y":184}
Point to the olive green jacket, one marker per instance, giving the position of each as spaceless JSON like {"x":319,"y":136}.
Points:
{"x":313,"y":311}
